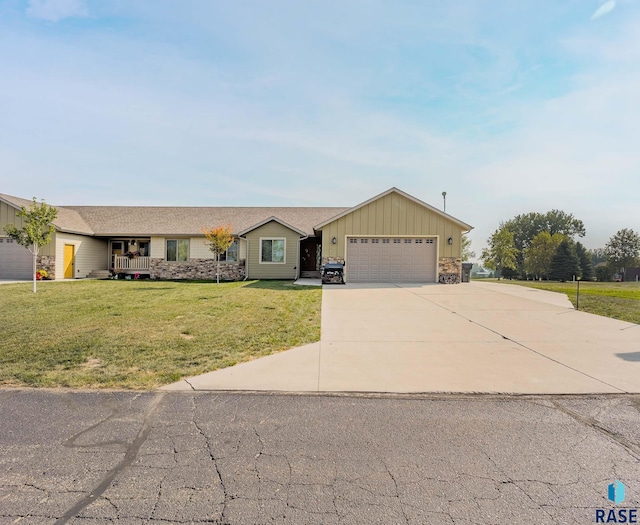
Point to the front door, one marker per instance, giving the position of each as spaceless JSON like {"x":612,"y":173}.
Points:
{"x":308,"y":255}
{"x":69,"y":257}
{"x":117,"y":248}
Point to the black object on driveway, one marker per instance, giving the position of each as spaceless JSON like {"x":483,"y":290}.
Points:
{"x":333,"y":273}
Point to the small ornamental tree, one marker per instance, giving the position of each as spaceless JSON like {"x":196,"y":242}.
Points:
{"x":219,"y":239}
{"x":36,"y":230}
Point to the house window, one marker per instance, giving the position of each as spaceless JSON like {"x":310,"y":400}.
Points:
{"x":231,"y":255}
{"x":272,"y":251}
{"x":178,"y":250}
{"x":143,"y":248}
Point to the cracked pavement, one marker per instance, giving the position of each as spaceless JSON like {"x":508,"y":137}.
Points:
{"x":126,"y":457}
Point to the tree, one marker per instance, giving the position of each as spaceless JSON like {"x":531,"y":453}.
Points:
{"x":538,"y":256}
{"x":467,"y":253}
{"x":623,"y":249}
{"x":220,"y":238}
{"x":501,"y":253}
{"x":584,"y":259}
{"x":526,"y":227}
{"x":36,"y":230}
{"x":564,"y":265}
{"x":604,"y":272}
{"x":597,"y":255}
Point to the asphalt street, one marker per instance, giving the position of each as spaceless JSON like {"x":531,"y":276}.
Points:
{"x":125,"y":457}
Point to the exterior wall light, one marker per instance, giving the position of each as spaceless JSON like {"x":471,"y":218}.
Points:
{"x":334,"y":240}
{"x":450,"y":241}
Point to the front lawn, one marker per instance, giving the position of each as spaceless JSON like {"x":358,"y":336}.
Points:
{"x":143,"y":334}
{"x":617,"y":300}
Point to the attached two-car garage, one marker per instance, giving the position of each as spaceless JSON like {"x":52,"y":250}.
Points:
{"x":391,"y":259}
{"x":15,"y":260}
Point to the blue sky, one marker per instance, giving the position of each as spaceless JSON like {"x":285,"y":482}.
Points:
{"x":509,"y":107}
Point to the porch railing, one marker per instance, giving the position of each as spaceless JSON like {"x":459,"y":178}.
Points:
{"x":123,"y":262}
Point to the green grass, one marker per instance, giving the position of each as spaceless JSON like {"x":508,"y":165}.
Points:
{"x":143,"y":334}
{"x":617,"y":300}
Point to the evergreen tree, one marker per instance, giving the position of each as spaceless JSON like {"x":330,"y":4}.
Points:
{"x":564,"y":265}
{"x":584,"y":259}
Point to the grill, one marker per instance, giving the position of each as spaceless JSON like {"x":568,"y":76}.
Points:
{"x":333,"y":273}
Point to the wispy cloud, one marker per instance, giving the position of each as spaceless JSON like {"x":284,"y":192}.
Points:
{"x":509,"y":109}
{"x":56,"y":10}
{"x":604,"y":9}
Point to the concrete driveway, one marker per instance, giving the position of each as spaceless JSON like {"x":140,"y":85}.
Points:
{"x":472,"y":337}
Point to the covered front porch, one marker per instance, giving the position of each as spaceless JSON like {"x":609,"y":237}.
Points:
{"x":130,"y":256}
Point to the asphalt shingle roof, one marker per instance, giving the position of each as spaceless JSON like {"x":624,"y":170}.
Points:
{"x":169,"y":220}
{"x":130,"y":221}
{"x":175,"y":220}
{"x":68,"y":220}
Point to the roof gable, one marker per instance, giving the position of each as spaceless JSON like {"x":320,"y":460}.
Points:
{"x":268,"y":220}
{"x":464,"y":225}
{"x":67,"y":220}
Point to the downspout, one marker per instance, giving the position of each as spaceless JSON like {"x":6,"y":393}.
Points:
{"x":246,"y":261}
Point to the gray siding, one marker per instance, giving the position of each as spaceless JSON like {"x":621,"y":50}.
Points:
{"x":258,"y":270}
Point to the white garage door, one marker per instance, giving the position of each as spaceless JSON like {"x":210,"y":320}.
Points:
{"x":383,"y":259}
{"x":15,"y":260}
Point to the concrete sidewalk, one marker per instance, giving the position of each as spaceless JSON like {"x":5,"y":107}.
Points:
{"x":476,"y":337}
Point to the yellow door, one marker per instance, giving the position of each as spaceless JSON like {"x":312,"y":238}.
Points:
{"x":68,"y":260}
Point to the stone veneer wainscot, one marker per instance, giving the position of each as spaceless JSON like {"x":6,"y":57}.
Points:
{"x":196,"y":269}
{"x":449,"y":270}
{"x":47,"y":262}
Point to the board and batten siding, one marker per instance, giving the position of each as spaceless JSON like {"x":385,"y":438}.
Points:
{"x":259,"y":270}
{"x":8,"y":215}
{"x":90,"y":254}
{"x":392,"y":215}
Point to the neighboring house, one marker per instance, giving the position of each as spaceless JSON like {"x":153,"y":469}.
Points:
{"x":632,"y":274}
{"x":392,"y":237}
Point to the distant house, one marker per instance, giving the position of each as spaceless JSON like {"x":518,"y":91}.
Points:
{"x":392,"y":237}
{"x":632,"y":274}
